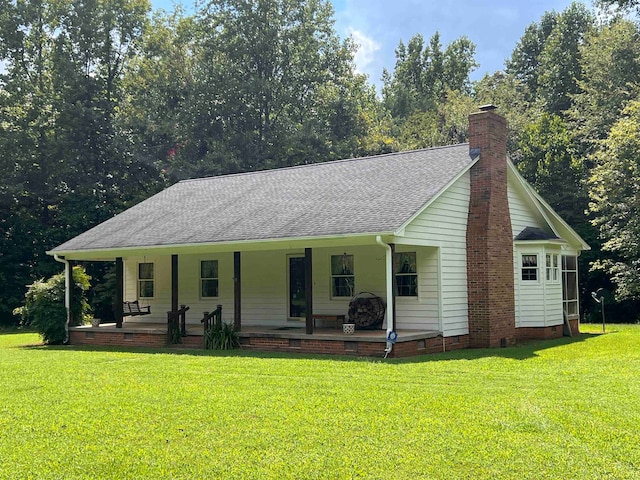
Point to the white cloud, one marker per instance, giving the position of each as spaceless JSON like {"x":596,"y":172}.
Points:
{"x":365,"y":55}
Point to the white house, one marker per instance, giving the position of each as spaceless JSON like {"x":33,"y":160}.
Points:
{"x":460,"y":248}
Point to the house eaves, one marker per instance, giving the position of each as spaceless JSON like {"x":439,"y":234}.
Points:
{"x":108,"y":254}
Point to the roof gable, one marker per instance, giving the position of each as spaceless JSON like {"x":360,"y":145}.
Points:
{"x":368,"y":195}
{"x":552,"y":220}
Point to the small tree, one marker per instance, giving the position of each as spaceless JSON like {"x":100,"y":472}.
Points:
{"x":44,"y":308}
{"x":615,"y":202}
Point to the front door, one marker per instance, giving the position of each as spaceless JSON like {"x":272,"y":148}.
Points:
{"x":297,"y":298}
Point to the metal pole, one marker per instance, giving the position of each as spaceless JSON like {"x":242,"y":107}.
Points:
{"x":602,"y":306}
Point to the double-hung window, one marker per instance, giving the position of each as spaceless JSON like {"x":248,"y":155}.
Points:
{"x":146,"y":281}
{"x":406,"y":274}
{"x":552,"y":267}
{"x":342,"y":276}
{"x":529,"y":267}
{"x":208,"y":278}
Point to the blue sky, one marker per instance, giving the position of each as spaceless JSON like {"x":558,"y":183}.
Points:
{"x":378,"y":25}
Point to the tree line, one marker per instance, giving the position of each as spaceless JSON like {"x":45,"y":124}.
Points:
{"x":103,"y":103}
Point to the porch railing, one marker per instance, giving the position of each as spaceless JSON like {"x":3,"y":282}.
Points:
{"x":211,"y":319}
{"x":176,"y":325}
{"x":211,"y":322}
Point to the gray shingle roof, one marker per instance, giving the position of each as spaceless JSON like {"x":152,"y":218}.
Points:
{"x":367,"y":195}
{"x":535,"y":233}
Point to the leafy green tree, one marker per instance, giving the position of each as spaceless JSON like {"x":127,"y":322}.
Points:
{"x":548,"y":162}
{"x":525,"y":62}
{"x":65,"y":161}
{"x":547,"y":58}
{"x":249,"y":85}
{"x":623,"y":4}
{"x":279,"y":85}
{"x":446,"y":125}
{"x":163,"y":106}
{"x":507,"y":93}
{"x":615,"y":201}
{"x":423,"y":74}
{"x":610,"y":61}
{"x":560,"y":59}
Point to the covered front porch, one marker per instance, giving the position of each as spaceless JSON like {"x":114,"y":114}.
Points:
{"x":283,"y":296}
{"x":325,"y":340}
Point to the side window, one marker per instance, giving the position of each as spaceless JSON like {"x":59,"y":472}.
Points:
{"x":530,"y":267}
{"x":552,"y":268}
{"x":208,"y":278}
{"x":570,"y":284}
{"x":146,"y":283}
{"x":406,"y":274}
{"x":342,"y":276}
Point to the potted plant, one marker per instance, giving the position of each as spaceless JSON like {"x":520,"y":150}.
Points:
{"x":348,"y":327}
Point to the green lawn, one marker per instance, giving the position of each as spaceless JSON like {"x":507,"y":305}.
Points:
{"x":557,"y":409}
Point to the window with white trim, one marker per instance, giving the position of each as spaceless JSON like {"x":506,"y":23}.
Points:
{"x":208,"y":278}
{"x":570,"y":284}
{"x":146,"y":280}
{"x":342,"y":276}
{"x":552,"y":268}
{"x":529,"y":267}
{"x":406,"y":274}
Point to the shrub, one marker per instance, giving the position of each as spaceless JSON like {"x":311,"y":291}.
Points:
{"x":221,"y":337}
{"x":44,"y":308}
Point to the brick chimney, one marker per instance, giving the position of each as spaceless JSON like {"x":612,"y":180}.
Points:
{"x":490,"y":274}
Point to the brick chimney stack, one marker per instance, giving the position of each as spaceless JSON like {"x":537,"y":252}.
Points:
{"x":490,"y":273}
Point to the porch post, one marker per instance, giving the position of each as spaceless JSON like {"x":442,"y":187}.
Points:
{"x":117,"y":310}
{"x":237,"y":292}
{"x":394,"y":285}
{"x":70,"y":291}
{"x":308,"y":289}
{"x":174,"y":283}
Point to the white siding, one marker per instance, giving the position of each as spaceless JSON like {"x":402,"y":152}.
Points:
{"x":369,"y":262}
{"x":421,"y":312}
{"x":369,"y":266}
{"x":529,"y":294}
{"x":189,"y":286}
{"x":444,"y":223}
{"x":523,"y":214}
{"x":264,"y":285}
{"x":538,"y":303}
{"x":161,"y":301}
{"x":264,"y":288}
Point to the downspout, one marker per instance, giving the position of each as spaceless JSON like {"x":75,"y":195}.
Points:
{"x":389,"y":282}
{"x":67,"y":292}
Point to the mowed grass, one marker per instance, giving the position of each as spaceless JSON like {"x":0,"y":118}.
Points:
{"x":559,"y":409}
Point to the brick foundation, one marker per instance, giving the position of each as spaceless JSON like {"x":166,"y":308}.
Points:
{"x":539,"y":333}
{"x":120,"y":339}
{"x":357,"y":347}
{"x":490,"y":281}
{"x":361,"y":348}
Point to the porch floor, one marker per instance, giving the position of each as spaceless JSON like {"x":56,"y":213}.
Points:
{"x":288,"y":332}
{"x":270,"y":338}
